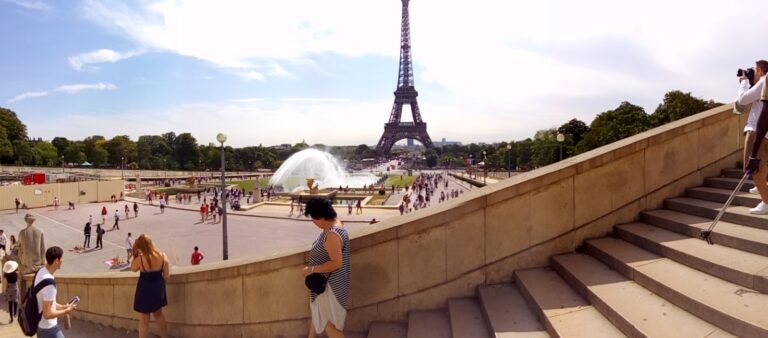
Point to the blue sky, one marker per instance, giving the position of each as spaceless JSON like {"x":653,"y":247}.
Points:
{"x":267,"y":72}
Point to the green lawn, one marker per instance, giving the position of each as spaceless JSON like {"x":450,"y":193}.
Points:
{"x":395,"y":179}
{"x":248,"y":184}
{"x":378,"y":199}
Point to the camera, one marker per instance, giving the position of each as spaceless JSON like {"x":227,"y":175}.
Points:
{"x":749,"y":73}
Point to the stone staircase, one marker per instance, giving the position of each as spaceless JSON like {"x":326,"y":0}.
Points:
{"x":651,"y":278}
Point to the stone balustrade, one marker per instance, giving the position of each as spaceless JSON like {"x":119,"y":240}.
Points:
{"x":420,"y":260}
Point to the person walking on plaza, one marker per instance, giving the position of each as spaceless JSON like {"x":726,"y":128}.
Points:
{"x":150,"y":296}
{"x":135,"y":210}
{"x":3,"y":240}
{"x":103,"y":215}
{"x":197,"y":257}
{"x":87,"y":234}
{"x":48,"y":327}
{"x":359,"y":207}
{"x":11,"y":288}
{"x":129,"y":247}
{"x":127,"y":212}
{"x":162,"y":206}
{"x":56,"y":203}
{"x":203,"y":211}
{"x":117,"y":220}
{"x":99,"y":236}
{"x":330,"y":258}
{"x":17,"y":202}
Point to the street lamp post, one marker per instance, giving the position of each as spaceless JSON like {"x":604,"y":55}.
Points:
{"x":560,"y":139}
{"x":62,"y":164}
{"x":223,"y":138}
{"x":122,"y":167}
{"x":485,"y":168}
{"x":509,"y":161}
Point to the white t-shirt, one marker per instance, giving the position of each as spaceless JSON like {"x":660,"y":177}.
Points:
{"x":3,"y":239}
{"x":748,"y":96}
{"x":48,"y":293}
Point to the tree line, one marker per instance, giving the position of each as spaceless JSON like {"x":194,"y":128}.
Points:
{"x":543,"y":148}
{"x":182,"y":152}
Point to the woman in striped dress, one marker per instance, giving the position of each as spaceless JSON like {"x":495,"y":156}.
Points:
{"x":330,"y":257}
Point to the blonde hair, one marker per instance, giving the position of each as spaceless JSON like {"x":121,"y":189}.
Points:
{"x":145,"y":246}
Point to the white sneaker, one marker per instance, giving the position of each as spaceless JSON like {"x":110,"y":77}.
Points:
{"x":754,"y":191}
{"x":760,"y":209}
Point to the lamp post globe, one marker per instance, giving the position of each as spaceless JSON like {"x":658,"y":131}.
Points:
{"x":221,"y":137}
{"x":509,"y":161}
{"x":560,"y":139}
{"x":485,"y":167}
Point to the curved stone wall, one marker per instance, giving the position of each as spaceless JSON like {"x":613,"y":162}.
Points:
{"x":420,"y":260}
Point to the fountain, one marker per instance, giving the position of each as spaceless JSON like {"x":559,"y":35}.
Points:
{"x":320,"y":166}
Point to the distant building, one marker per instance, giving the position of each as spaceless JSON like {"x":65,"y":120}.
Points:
{"x":444,"y":143}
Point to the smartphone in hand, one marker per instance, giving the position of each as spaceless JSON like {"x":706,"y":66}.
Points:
{"x":74,"y":300}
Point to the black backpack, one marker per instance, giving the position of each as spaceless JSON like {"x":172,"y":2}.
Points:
{"x":30,"y":315}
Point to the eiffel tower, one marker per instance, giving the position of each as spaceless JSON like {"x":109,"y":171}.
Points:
{"x":395,"y":130}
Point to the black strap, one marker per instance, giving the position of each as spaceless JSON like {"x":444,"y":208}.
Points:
{"x":43,"y":283}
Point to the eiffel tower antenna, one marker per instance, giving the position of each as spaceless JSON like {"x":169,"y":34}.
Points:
{"x":394,"y":129}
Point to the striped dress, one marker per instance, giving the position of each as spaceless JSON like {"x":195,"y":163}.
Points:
{"x":339,"y":279}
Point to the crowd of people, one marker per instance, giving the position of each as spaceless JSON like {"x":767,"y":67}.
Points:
{"x":420,"y":194}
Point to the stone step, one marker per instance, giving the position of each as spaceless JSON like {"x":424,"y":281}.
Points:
{"x":507,"y":312}
{"x":721,"y":195}
{"x":732,"y":307}
{"x":725,"y":233}
{"x":429,"y":324}
{"x":740,"y":267}
{"x":467,"y":318}
{"x":646,"y":315}
{"x":388,"y":330}
{"x":562,"y":310}
{"x":734,"y":214}
{"x":732,"y":173}
{"x":727,"y":183}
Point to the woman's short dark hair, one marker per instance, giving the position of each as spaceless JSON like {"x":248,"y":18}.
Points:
{"x":53,"y":253}
{"x":320,"y":208}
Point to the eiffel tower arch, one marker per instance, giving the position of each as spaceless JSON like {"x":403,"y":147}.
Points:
{"x":405,"y":94}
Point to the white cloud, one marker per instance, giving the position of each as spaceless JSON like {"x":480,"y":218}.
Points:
{"x":313,"y":99}
{"x":248,"y":100}
{"x":30,"y":4}
{"x":76,"y":88}
{"x":252,"y":75}
{"x":81,"y":61}
{"x":512,"y":66}
{"x":27,"y":95}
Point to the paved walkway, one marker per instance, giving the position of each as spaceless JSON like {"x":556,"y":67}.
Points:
{"x":176,"y":232}
{"x":453,"y":183}
{"x":80,"y":329}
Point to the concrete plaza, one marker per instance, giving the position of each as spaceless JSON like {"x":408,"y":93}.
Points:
{"x":176,"y":231}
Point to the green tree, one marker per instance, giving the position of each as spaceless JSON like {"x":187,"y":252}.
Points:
{"x":150,"y":149}
{"x":431,"y":158}
{"x":23,"y":152}
{"x":75,"y":153}
{"x":186,"y":151}
{"x":6,"y":148}
{"x":545,"y":147}
{"x":613,"y":125}
{"x":677,"y":105}
{"x":120,"y":147}
{"x":45,"y":154}
{"x":61,"y":144}
{"x":575,"y":128}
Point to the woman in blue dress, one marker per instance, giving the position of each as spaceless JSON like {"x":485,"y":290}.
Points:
{"x":150,"y":297}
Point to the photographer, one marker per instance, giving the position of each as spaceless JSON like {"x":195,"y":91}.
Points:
{"x":748,"y":95}
{"x":753,"y":165}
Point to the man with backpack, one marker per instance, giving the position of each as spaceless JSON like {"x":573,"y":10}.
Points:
{"x":40,"y":310}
